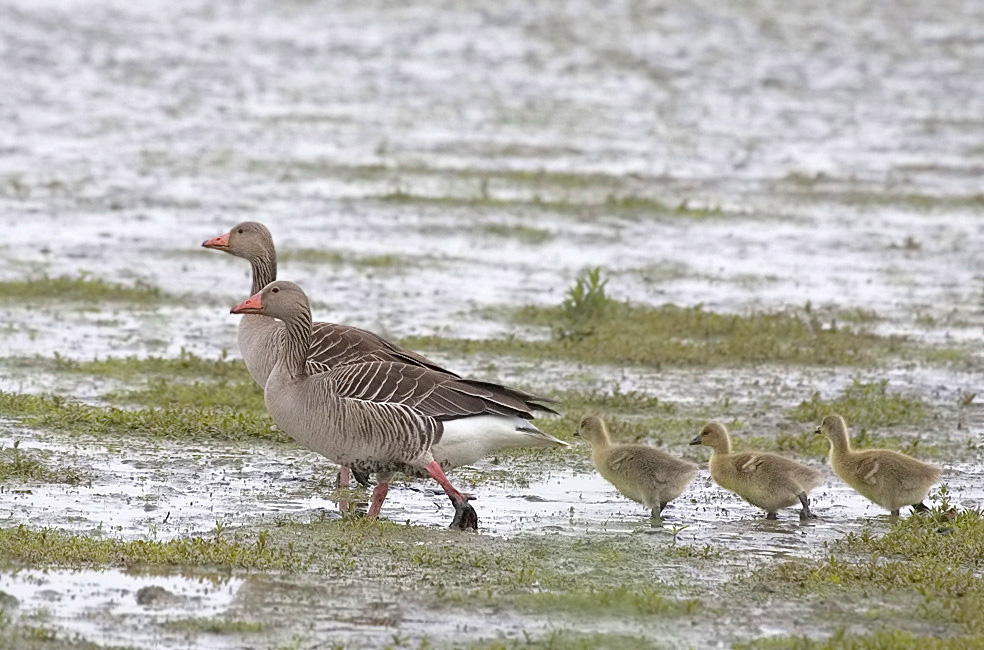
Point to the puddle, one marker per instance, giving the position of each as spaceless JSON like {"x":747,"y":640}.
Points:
{"x":845,"y":174}
{"x":90,"y":603}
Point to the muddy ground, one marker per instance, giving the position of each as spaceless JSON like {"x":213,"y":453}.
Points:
{"x":441,"y":173}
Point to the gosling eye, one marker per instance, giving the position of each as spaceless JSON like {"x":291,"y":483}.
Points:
{"x":275,"y":290}
{"x":240,"y":231}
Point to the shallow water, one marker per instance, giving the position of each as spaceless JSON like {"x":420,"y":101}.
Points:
{"x":843,"y":147}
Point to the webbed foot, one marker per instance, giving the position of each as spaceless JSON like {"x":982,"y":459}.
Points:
{"x":464,"y":517}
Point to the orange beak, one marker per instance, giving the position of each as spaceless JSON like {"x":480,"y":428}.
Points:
{"x":249,"y":306}
{"x":219,"y":243}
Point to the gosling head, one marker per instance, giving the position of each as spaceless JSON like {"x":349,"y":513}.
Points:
{"x":713,"y":435}
{"x":250,"y":240}
{"x":280,"y":299}
{"x":593,"y":430}
{"x":833,"y":427}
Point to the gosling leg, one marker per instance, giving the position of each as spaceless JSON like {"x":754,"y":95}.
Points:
{"x":895,"y":513}
{"x":805,"y":512}
{"x":771,"y":515}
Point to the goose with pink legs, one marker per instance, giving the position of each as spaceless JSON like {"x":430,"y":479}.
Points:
{"x":333,"y":345}
{"x":416,"y":420}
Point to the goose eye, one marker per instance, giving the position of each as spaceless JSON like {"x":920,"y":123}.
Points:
{"x":275,"y":290}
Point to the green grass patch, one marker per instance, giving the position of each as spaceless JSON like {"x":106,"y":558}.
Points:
{"x":19,"y":465}
{"x":864,"y":404}
{"x":569,"y":640}
{"x":241,"y":395}
{"x":527,"y":234}
{"x":186,"y":364}
{"x":52,"y":547}
{"x":80,"y":288}
{"x":213,"y":626}
{"x":341,"y":258}
{"x":175,"y":422}
{"x":934,"y":560}
{"x":630,"y":334}
{"x":880,"y":640}
{"x":611,"y":205}
{"x":616,"y":601}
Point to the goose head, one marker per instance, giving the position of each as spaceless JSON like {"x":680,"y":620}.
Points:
{"x":715,"y":436}
{"x":249,"y":240}
{"x":281,"y":299}
{"x":833,"y":427}
{"x":593,"y":430}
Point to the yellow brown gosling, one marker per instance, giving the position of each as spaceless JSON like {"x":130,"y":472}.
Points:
{"x":766,"y":480}
{"x":641,"y":473}
{"x":886,"y":477}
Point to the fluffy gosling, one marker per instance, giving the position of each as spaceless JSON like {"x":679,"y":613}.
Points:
{"x":765,"y":480}
{"x":645,"y":475}
{"x":888,"y":478}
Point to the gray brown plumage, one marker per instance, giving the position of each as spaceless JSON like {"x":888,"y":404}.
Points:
{"x":644,"y":474}
{"x":766,"y":480}
{"x":369,"y":367}
{"x":379,"y":436}
{"x":886,"y":477}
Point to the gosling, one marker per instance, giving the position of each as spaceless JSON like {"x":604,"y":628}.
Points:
{"x":766,"y":480}
{"x":645,"y":475}
{"x":888,"y":478}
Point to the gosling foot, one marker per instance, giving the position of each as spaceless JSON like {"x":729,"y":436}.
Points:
{"x":920,"y":507}
{"x":805,"y":512}
{"x":465,"y":517}
{"x":772,"y":515}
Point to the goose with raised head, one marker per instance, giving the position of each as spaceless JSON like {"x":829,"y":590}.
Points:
{"x":644,"y":474}
{"x":766,"y":480}
{"x":885,"y":477}
{"x":379,"y":416}
{"x":333,"y":345}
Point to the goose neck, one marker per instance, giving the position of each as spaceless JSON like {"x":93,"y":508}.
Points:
{"x":264,"y":271}
{"x":297,"y":340}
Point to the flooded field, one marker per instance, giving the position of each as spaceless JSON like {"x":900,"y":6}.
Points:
{"x":786,"y":204}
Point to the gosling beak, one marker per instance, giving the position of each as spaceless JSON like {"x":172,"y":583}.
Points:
{"x":696,"y":440}
{"x":249,"y":306}
{"x":220,"y":243}
{"x":818,"y":430}
{"x":577,"y":433}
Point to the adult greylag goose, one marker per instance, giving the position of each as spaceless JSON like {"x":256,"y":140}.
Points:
{"x":333,"y":345}
{"x":766,"y":480}
{"x":886,"y":477}
{"x":381,"y":416}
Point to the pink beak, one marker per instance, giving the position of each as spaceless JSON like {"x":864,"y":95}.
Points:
{"x":220,"y":243}
{"x":249,"y":306}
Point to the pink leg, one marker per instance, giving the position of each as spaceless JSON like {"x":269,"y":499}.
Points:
{"x":378,"y":494}
{"x":343,"y":477}
{"x":464,"y":514}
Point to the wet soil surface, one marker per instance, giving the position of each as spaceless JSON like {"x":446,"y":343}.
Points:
{"x":454,"y":162}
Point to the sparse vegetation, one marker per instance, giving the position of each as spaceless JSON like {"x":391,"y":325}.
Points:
{"x":213,"y":626}
{"x":865,"y":405}
{"x":52,"y":547}
{"x":672,"y":335}
{"x":56,"y":413}
{"x":527,"y":234}
{"x":20,"y":465}
{"x":80,"y":288}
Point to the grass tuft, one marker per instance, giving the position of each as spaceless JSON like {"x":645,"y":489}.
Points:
{"x":79,"y":288}
{"x":19,"y":465}
{"x":174,"y":422}
{"x":52,"y":547}
{"x":864,"y":404}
